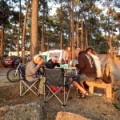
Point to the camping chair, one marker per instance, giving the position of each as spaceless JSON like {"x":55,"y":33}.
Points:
{"x":55,"y":77}
{"x":25,"y":85}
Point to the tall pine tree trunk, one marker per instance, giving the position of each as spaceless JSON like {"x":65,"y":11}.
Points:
{"x":34,"y":28}
{"x":86,"y":39}
{"x":109,"y":38}
{"x":2,"y":39}
{"x":61,"y":27}
{"x":77,"y":34}
{"x":82,"y":39}
{"x":24,"y":32}
{"x":43,"y":29}
{"x":61,"y":39}
{"x":72,"y":28}
{"x":19,"y":29}
{"x":42,"y":39}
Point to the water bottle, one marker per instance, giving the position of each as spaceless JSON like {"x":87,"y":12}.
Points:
{"x":70,"y":64}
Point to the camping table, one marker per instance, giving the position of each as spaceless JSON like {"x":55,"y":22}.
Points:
{"x":67,"y":68}
{"x":70,"y":68}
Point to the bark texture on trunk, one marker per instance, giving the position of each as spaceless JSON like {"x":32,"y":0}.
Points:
{"x":72,"y":28}
{"x":24,"y":32}
{"x":34,"y":28}
{"x":2,"y":46}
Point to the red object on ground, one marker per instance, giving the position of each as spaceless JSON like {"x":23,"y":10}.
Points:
{"x":55,"y":88}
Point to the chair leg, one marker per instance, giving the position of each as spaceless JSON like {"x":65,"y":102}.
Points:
{"x":49,"y":96}
{"x":66,"y":97}
{"x":91,"y":89}
{"x":24,"y":88}
{"x":44,"y":94}
{"x":20,"y":88}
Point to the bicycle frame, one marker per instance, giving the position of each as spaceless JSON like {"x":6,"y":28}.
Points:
{"x":18,"y":66}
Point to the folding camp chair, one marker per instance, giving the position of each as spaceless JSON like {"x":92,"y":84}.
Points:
{"x":55,"y":77}
{"x":25,"y":85}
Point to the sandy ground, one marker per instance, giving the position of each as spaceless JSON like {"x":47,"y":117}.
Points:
{"x":93,"y":107}
{"x":3,"y":78}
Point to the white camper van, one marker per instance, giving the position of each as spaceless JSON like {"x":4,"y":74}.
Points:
{"x":118,"y":52}
{"x":51,"y":53}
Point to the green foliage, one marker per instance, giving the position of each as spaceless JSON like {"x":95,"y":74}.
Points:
{"x":15,"y":17}
{"x":4,"y":13}
{"x":103,"y":47}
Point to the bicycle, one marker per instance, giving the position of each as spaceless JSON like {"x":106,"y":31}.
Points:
{"x":13,"y":75}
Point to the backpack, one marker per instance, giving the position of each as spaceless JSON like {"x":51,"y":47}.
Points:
{"x":106,"y":78}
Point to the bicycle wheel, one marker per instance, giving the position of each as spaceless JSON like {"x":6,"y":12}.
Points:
{"x":13,"y":76}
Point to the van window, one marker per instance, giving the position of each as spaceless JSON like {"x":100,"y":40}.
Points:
{"x":54,"y":54}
